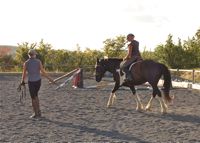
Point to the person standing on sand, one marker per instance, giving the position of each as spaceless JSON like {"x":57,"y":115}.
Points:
{"x":35,"y":69}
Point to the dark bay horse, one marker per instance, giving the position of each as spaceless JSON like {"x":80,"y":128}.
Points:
{"x":142,"y":71}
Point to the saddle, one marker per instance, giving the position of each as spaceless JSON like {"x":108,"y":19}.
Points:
{"x":132,"y":65}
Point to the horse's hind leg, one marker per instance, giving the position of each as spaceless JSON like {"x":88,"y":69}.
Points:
{"x":137,"y":99}
{"x":149,"y":104}
{"x":163,"y":106}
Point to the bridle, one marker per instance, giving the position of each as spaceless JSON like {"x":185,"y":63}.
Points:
{"x":100,"y":73}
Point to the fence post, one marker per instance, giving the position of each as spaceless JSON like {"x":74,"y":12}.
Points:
{"x":78,"y":79}
{"x":193,"y":79}
{"x":80,"y":84}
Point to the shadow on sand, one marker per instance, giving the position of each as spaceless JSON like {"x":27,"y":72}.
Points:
{"x":113,"y":134}
{"x":177,"y":117}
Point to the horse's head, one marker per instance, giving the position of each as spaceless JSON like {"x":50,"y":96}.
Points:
{"x":100,"y":69}
{"x":103,"y":65}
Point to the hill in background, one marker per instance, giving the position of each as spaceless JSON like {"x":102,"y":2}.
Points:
{"x":7,"y":50}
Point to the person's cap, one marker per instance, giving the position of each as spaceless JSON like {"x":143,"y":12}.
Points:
{"x":32,"y":52}
{"x":130,"y":34}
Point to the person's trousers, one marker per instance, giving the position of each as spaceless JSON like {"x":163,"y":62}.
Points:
{"x":125,"y":65}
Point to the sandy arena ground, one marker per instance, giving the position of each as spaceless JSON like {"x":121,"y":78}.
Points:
{"x":81,"y":115}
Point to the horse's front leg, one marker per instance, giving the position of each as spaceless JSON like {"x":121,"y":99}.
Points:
{"x":139,"y":106}
{"x":139,"y":103}
{"x":111,"y":99}
{"x":112,"y":95}
{"x":148,"y":106}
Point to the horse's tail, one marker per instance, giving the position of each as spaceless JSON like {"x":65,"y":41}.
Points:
{"x":167,"y":83}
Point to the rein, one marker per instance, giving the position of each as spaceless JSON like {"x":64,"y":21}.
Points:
{"x":22,"y":88}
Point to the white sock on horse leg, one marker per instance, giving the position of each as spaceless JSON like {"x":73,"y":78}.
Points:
{"x":113,"y":98}
{"x":148,"y":106}
{"x":110,"y":100}
{"x":138,"y":102}
{"x":163,"y":105}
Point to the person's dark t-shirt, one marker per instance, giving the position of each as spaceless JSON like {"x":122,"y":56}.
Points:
{"x":135,"y":49}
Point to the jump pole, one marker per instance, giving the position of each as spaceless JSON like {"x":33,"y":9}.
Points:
{"x":65,"y":75}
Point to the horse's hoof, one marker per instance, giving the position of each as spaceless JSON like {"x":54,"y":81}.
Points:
{"x":148,"y":109}
{"x":108,"y":106}
{"x":139,"y":109}
{"x":164,"y":113}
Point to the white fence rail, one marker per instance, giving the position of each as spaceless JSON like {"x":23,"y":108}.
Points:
{"x":194,"y":72}
{"x":188,"y":85}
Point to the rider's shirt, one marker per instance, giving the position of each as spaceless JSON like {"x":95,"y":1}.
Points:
{"x":135,"y":49}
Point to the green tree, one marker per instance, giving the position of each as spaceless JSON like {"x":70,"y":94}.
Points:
{"x":114,"y":47}
{"x":42,"y":50}
{"x":170,"y":54}
{"x":192,"y":53}
{"x":22,"y":50}
{"x":90,"y":56}
{"x":58,"y":60}
{"x":149,"y":55}
{"x":198,"y":34}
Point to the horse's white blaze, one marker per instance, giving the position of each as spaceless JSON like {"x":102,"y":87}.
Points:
{"x":138,"y":101}
{"x":148,"y":106}
{"x":163,"y":105}
{"x":110,"y":100}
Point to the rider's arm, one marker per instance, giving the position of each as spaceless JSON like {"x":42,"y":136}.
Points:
{"x":128,"y":56}
{"x":43,"y":72}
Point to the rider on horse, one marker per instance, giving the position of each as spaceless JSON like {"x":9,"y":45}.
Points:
{"x":132,"y":56}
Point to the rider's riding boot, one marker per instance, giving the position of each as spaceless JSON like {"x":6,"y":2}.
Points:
{"x":128,"y":77}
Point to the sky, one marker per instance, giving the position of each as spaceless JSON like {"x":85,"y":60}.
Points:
{"x":66,"y":23}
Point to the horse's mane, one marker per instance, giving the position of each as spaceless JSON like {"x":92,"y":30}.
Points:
{"x":113,"y":59}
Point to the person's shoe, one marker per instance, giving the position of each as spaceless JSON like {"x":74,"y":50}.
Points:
{"x":33,"y":116}
{"x":39,"y":114}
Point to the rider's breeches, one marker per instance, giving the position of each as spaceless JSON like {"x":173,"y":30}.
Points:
{"x":127,"y":63}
